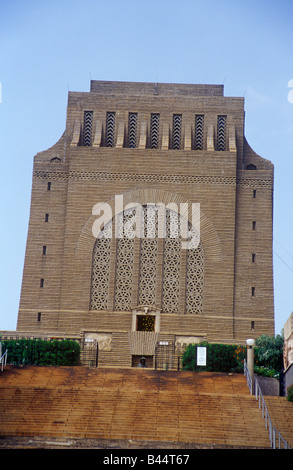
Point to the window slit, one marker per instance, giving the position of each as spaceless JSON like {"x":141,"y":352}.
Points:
{"x":110,"y":129}
{"x":199,"y":128}
{"x":132,"y":130}
{"x":221,"y":133}
{"x":176,"y":134}
{"x":87,"y":128}
{"x":154,"y":132}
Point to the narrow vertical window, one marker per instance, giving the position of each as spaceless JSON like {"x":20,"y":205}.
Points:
{"x":254,"y":193}
{"x":49,"y":186}
{"x":253,"y":257}
{"x":221,"y":133}
{"x":39,"y":316}
{"x":252,"y":325}
{"x":47,"y":218}
{"x":42,"y":282}
{"x":132,"y":130}
{"x":87,"y":128}
{"x":176,"y":134}
{"x":199,"y":127}
{"x":253,"y":291}
{"x":101,"y":269}
{"x":124,"y":264}
{"x":44,"y":249}
{"x":154,"y":131}
{"x":148,"y":258}
{"x":171,"y":264}
{"x":254,"y":225}
{"x":194,"y":281}
{"x":110,"y":129}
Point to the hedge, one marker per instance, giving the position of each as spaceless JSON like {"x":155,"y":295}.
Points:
{"x":220,"y":358}
{"x":227,"y":358}
{"x":40,"y":352}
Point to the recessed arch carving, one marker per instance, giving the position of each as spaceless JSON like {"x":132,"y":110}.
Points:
{"x":208,"y":235}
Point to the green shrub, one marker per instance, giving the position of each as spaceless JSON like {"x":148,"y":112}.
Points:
{"x":188,"y":358}
{"x":42,"y":352}
{"x":270,"y":351}
{"x":268,"y":357}
{"x":290,"y":393}
{"x":266,"y":372}
{"x":220,"y":358}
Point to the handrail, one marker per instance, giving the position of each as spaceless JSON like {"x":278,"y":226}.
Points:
{"x":273,"y":433}
{"x":248,"y":377}
{"x":3,"y":360}
{"x":265,"y":414}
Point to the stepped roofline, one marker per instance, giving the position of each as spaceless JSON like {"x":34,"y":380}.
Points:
{"x":148,"y":88}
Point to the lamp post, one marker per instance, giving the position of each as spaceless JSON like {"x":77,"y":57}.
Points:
{"x":250,"y":360}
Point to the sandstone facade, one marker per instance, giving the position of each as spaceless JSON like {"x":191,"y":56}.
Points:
{"x":171,"y":144}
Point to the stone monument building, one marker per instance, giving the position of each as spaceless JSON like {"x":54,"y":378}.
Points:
{"x":150,"y":225}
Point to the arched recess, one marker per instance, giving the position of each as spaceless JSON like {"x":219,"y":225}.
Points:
{"x":208,"y":235}
{"x":189,"y":266}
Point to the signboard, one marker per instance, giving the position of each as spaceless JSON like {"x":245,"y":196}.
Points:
{"x":201,"y":356}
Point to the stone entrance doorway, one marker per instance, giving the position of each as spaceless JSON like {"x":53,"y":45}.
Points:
{"x":148,"y":359}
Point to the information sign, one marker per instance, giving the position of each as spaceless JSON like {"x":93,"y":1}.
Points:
{"x":201,"y":356}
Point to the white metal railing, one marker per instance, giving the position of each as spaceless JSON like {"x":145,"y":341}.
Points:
{"x":248,"y":377}
{"x":3,"y":360}
{"x":273,"y":433}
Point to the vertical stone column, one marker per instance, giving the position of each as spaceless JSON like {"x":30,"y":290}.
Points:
{"x":250,"y":361}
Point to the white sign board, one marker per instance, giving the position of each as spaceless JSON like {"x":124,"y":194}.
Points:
{"x":201,"y":356}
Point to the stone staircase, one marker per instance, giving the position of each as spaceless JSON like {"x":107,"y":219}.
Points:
{"x":130,"y":404}
{"x":281,"y":413}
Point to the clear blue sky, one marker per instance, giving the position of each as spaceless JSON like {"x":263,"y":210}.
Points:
{"x":50,"y":47}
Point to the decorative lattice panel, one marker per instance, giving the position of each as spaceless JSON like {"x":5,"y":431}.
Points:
{"x":221,"y":133}
{"x":176,"y":134}
{"x":199,"y":130}
{"x":124,"y":262}
{"x":147,"y":248}
{"x":110,"y":129}
{"x":171,"y":263}
{"x":148,"y":258}
{"x":154,"y":131}
{"x":194,"y":280}
{"x":87,"y":128}
{"x":100,"y":271}
{"x":132,"y":130}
